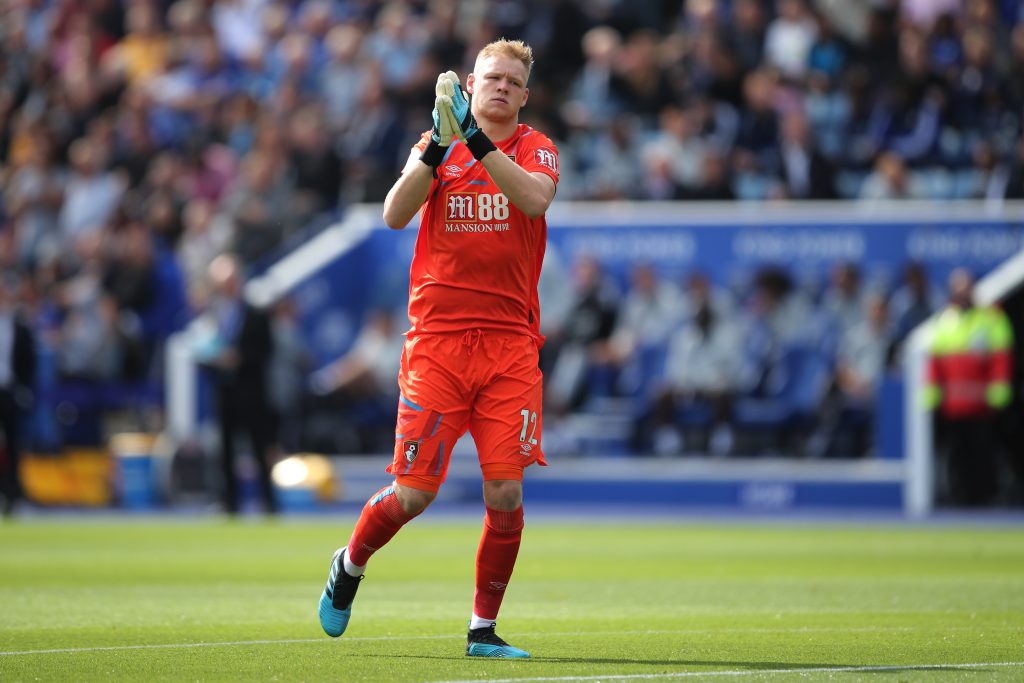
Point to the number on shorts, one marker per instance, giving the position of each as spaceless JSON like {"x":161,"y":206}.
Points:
{"x":529,"y":420}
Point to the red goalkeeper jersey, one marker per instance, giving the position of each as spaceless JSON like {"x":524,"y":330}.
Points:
{"x":478,"y":258}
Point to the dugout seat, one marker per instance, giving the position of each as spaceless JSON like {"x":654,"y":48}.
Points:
{"x":792,"y":395}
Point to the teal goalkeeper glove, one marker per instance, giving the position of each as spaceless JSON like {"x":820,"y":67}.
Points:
{"x":445,"y":126}
{"x":456,"y":102}
{"x":453,"y":118}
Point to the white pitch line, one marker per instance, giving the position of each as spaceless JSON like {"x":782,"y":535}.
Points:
{"x":569,"y":634}
{"x":746,"y":672}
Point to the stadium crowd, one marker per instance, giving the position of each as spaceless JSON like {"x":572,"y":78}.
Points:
{"x":139,"y":139}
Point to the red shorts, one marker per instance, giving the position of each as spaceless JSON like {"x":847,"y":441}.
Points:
{"x":488,"y":383}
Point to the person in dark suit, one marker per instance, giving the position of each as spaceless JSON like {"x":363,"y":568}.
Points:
{"x":806,"y":172}
{"x":17,"y":385}
{"x":238,"y":365}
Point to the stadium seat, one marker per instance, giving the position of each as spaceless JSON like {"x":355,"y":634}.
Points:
{"x":794,"y":391}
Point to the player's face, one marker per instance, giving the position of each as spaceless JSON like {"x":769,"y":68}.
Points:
{"x":498,"y":86}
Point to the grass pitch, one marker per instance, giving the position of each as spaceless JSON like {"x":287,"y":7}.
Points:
{"x":142,"y":600}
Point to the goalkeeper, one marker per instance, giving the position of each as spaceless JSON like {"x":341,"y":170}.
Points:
{"x":482,"y":182}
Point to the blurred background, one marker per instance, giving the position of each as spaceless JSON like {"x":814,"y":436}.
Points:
{"x":766,"y":211}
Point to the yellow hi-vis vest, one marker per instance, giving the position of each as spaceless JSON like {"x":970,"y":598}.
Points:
{"x":971,"y":362}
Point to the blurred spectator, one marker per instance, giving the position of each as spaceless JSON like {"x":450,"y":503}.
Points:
{"x":91,"y":194}
{"x":144,"y":50}
{"x":789,"y":39}
{"x":206,"y":234}
{"x":239,"y":26}
{"x":746,"y":32}
{"x":843,"y":302}
{"x":717,"y":180}
{"x":862,"y":353}
{"x":554,"y":290}
{"x":861,"y":363}
{"x":289,"y":366}
{"x":758,"y":128}
{"x":237,"y":355}
{"x":614,"y":162}
{"x":342,"y":79}
{"x":17,"y":388}
{"x":372,"y":146}
{"x":679,"y":147}
{"x":806,"y":172}
{"x":317,"y":167}
{"x":646,"y":314}
{"x":360,"y":389}
{"x":259,"y":207}
{"x":645,"y":319}
{"x":892,"y":180}
{"x":588,"y":327}
{"x":370,"y":368}
{"x":702,"y":377}
{"x":590,"y":101}
{"x":33,"y":198}
{"x":970,"y":371}
{"x":640,"y":83}
{"x":911,"y":304}
{"x":398,"y":43}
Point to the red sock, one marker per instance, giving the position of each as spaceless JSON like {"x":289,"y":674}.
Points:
{"x":495,"y":559}
{"x":380,"y":520}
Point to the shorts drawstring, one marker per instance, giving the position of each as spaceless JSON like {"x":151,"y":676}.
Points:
{"x":471,"y":340}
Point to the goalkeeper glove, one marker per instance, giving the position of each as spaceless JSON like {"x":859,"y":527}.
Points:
{"x":453,"y":104}
{"x":446,"y":128}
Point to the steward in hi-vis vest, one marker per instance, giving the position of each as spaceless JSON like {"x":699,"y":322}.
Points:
{"x":970,"y":363}
{"x":969,"y":373}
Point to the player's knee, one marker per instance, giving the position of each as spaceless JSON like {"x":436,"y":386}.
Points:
{"x":413,"y":501}
{"x":503,"y":494}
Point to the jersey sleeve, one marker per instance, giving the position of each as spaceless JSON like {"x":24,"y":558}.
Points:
{"x":539,"y":155}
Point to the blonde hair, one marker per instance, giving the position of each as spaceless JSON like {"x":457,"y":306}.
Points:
{"x":516,"y":49}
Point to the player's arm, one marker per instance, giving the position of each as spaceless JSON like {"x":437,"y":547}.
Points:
{"x":409,"y":192}
{"x":412,"y":188}
{"x":531,"y":193}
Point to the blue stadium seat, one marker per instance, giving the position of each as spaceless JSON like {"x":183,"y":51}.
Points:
{"x":641,"y":376}
{"x":793,"y":394}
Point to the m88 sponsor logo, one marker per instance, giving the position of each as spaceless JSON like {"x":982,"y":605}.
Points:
{"x":466,"y":207}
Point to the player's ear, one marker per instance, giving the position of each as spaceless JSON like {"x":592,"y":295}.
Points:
{"x":526,"y":96}
{"x":470,"y":80}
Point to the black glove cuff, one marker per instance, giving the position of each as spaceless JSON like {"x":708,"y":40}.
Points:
{"x":433,"y":155}
{"x":479,"y":144}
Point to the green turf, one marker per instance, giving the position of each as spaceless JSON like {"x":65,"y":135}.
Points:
{"x":637,"y":601}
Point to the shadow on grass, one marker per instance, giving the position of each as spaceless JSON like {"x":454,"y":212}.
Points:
{"x":752,"y":666}
{"x":760,"y":666}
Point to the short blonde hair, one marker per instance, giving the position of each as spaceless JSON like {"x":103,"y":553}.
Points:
{"x":516,"y":49}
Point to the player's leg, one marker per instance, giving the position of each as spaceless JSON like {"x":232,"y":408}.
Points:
{"x":424,"y":438}
{"x":384,"y":514}
{"x":507,"y":426}
{"x":495,"y":561}
{"x":499,"y":547}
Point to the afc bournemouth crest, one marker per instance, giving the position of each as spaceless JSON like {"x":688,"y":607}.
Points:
{"x":412,"y":449}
